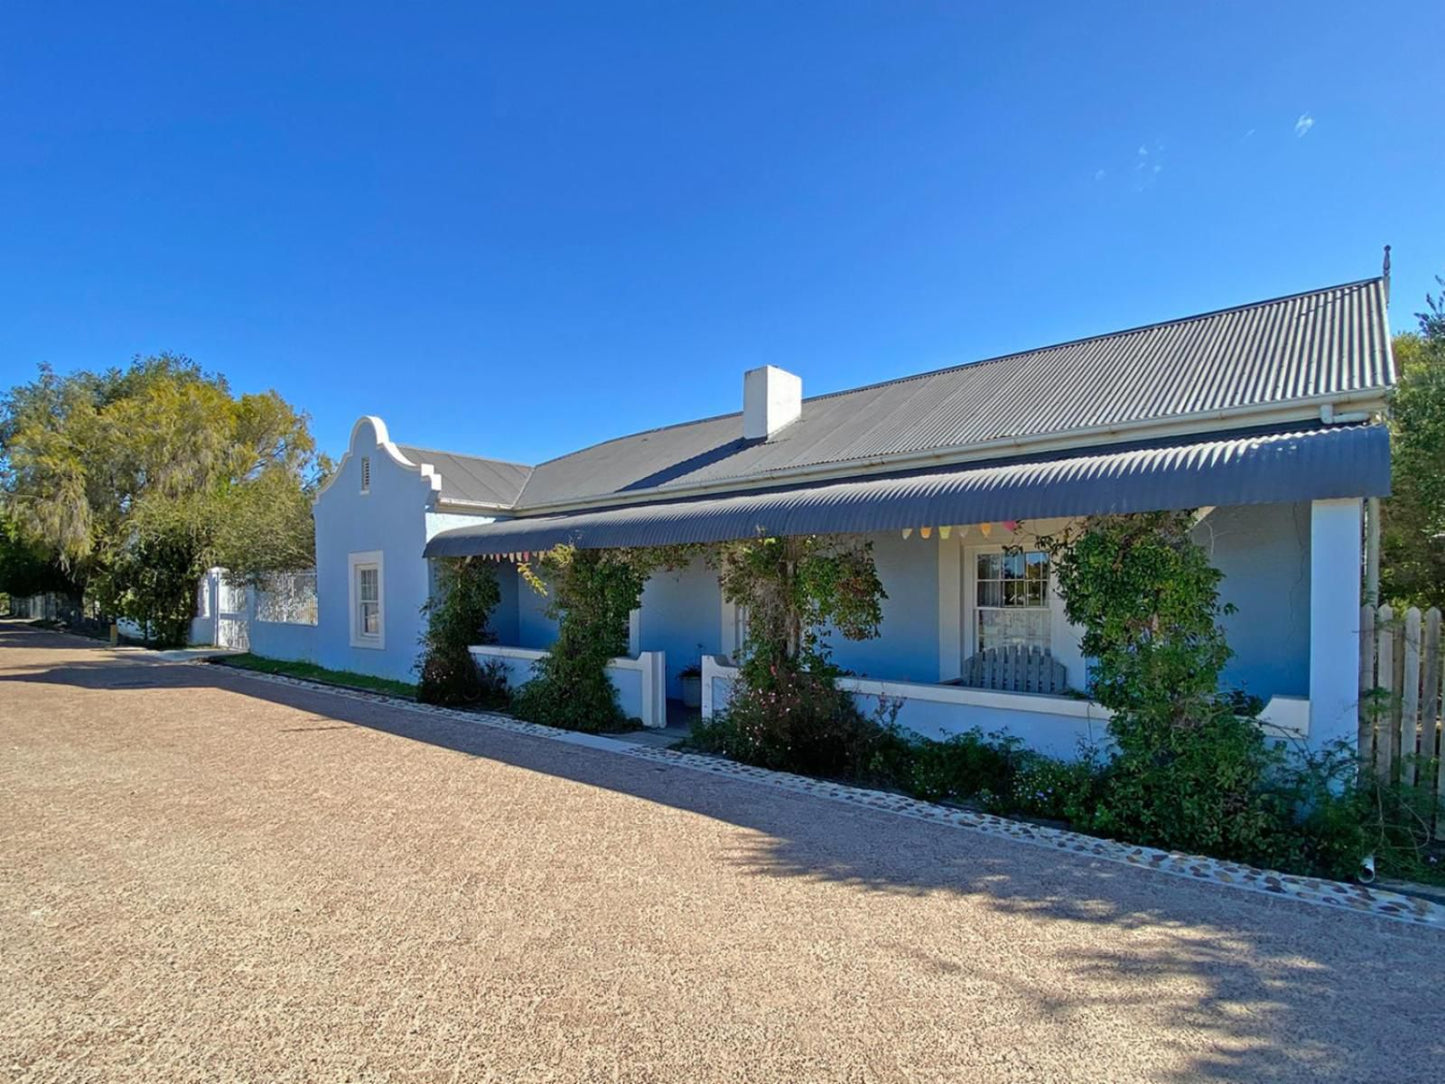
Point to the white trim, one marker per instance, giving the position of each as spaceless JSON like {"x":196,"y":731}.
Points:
{"x":729,"y":631}
{"x":968,"y":638}
{"x":354,"y":563}
{"x":1336,"y":563}
{"x":384,"y":444}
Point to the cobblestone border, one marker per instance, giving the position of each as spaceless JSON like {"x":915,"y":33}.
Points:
{"x":1386,"y":904}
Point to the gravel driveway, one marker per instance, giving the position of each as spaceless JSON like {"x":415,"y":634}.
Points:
{"x":205,"y":876}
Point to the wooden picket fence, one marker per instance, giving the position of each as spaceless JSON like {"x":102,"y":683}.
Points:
{"x":1400,"y":698}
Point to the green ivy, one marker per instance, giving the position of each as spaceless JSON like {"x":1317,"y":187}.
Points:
{"x":796,"y":591}
{"x":591,"y":594}
{"x":787,"y":711}
{"x":466,"y":592}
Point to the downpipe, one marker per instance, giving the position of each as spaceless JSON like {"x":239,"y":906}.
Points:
{"x":1367,"y":870}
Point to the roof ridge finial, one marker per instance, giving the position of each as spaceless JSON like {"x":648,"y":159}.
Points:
{"x":1386,"y":274}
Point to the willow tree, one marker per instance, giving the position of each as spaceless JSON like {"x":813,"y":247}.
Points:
{"x":135,"y":480}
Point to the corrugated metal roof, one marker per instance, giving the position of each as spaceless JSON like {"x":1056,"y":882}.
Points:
{"x":1326,"y":342}
{"x":1350,"y":461}
{"x":472,"y":479}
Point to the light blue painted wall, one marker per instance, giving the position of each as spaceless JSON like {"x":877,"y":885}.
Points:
{"x":1264,"y":552}
{"x":907,"y":647}
{"x":534,"y":628}
{"x":275,"y":640}
{"x":503,"y":622}
{"x":393,"y":518}
{"x":680,"y":611}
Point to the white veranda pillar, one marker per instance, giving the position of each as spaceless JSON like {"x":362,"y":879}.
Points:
{"x":1336,"y":552}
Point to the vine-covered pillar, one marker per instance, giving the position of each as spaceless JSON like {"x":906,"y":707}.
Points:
{"x":1336,"y":554}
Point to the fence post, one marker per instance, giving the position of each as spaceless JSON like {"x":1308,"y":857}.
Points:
{"x":1410,"y":698}
{"x":1430,"y":698}
{"x":1365,"y":744}
{"x":1385,"y":711}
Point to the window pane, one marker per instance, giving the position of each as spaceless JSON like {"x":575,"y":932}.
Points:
{"x":367,"y":583}
{"x":1006,"y":628}
{"x":988,"y":566}
{"x":370,"y":618}
{"x":990,"y":593}
{"x":1014,"y":565}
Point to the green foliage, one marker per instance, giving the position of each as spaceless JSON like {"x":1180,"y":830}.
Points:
{"x":803,"y":723}
{"x":1412,"y":568}
{"x":134,"y":481}
{"x":591,"y":594}
{"x":1052,"y":789}
{"x":795,"y":591}
{"x":1189,"y":767}
{"x":25,"y":569}
{"x":787,"y":711}
{"x":1148,"y":600}
{"x":962,"y":766}
{"x":457,"y":614}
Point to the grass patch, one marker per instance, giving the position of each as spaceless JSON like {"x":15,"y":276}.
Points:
{"x":307,"y":671}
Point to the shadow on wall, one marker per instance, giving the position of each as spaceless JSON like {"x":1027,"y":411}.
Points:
{"x":1269,"y":983}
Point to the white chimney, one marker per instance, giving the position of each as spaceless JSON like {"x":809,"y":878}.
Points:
{"x":772,"y":398}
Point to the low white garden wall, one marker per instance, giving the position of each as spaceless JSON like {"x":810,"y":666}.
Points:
{"x":1054,"y":725}
{"x":641,"y":682}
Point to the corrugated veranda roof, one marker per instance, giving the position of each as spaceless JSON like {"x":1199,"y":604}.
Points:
{"x":1315,"y":464}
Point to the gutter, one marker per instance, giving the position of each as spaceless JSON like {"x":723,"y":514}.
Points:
{"x":1321,"y":408}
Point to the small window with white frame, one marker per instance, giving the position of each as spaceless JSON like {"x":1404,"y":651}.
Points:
{"x":1011,"y":599}
{"x":367,"y":599}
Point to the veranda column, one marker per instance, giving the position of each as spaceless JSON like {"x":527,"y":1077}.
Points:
{"x":1336,"y":552}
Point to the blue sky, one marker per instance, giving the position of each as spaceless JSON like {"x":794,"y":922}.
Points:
{"x":517,"y":229}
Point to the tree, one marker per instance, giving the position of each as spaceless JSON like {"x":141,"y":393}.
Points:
{"x":135,"y":480}
{"x":24,"y":567}
{"x":1413,"y":544}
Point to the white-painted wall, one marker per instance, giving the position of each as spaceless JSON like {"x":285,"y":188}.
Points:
{"x":394,"y":517}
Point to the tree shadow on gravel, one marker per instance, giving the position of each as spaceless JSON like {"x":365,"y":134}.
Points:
{"x":1276,"y":989}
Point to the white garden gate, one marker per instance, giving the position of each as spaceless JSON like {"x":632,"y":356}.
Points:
{"x":232,"y":621}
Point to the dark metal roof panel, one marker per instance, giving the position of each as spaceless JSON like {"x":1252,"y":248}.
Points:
{"x":471,"y":478}
{"x":1326,"y":342}
{"x":1317,"y":464}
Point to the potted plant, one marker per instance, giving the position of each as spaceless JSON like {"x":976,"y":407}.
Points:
{"x":692,"y":685}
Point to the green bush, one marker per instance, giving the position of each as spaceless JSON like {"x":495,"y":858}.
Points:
{"x":1212,"y":787}
{"x":1061,"y":790}
{"x":591,"y":593}
{"x":961,"y":766}
{"x":803,"y":723}
{"x":466,"y":594}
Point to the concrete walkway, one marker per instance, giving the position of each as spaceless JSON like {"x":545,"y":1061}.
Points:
{"x":203,"y":876}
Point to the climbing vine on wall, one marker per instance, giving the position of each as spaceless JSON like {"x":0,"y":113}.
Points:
{"x":795,"y":591}
{"x":591,"y":594}
{"x":465,"y":594}
{"x":787,"y":711}
{"x":1191,"y":767}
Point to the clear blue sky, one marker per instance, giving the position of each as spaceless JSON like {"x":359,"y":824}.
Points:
{"x":516,"y":229}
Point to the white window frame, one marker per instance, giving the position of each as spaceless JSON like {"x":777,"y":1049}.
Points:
{"x":970,"y":596}
{"x":354,"y":564}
